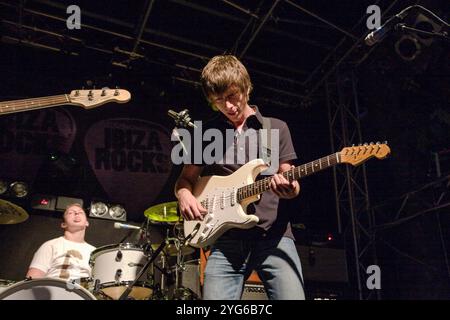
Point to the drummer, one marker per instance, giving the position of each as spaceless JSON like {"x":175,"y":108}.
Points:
{"x":65,"y":257}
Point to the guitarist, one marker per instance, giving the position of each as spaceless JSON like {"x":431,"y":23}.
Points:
{"x":267,"y":248}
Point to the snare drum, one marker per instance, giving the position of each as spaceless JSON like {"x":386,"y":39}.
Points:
{"x":115,"y":267}
{"x":46,"y":289}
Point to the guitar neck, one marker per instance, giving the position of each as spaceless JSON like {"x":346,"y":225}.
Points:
{"x":32,"y":104}
{"x":296,"y":173}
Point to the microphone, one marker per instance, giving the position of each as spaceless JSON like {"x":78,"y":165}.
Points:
{"x":380,"y":33}
{"x":118,"y":225}
{"x":182,"y":118}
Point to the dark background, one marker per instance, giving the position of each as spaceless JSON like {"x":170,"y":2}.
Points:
{"x":404,"y":102}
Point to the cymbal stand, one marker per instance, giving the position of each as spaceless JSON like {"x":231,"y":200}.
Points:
{"x":179,"y":242}
{"x":179,"y":267}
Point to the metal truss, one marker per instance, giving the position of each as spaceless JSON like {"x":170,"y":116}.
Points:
{"x":362,"y":225}
{"x":354,"y":219}
{"x":132,"y":40}
{"x":429,"y":199}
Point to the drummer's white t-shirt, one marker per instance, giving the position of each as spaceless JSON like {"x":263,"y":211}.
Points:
{"x":61,"y":258}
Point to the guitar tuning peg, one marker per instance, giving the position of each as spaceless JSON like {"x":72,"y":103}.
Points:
{"x":371,"y":143}
{"x":116,"y":92}
{"x":77,"y":93}
{"x":103,"y":92}
{"x":90,"y":95}
{"x":353,"y":144}
{"x":359,"y":145}
{"x":378,"y":142}
{"x":385,"y":142}
{"x":365,"y":144}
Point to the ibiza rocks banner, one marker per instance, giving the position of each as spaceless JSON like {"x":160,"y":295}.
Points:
{"x":131,"y":160}
{"x":29,"y":138}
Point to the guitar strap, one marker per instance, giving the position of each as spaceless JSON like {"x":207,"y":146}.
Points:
{"x":265,"y":141}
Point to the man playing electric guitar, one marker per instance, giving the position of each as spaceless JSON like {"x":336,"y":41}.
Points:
{"x":268,"y":248}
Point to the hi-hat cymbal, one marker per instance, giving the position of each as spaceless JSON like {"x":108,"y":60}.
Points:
{"x":11,"y":213}
{"x":171,"y":249}
{"x":163,"y":213}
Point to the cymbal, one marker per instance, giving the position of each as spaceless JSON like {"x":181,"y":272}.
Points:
{"x":163,"y":213}
{"x":11,"y":213}
{"x":171,"y":249}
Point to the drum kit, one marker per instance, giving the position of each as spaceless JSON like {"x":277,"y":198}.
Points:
{"x":125,"y":271}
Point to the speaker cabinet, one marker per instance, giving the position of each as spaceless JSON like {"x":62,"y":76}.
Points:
{"x":321,"y":264}
{"x":190,"y":277}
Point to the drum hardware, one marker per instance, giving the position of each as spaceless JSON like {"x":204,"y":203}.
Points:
{"x":118,"y":274}
{"x":97,"y":286}
{"x":126,"y":271}
{"x":164,"y":274}
{"x":119,"y":256}
{"x":132,"y":264}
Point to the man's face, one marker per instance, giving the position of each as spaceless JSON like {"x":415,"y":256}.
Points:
{"x":75,"y":218}
{"x":231,"y":103}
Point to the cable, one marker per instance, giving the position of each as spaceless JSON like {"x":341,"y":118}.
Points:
{"x":424,"y":9}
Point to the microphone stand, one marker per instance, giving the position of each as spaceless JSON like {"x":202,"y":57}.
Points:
{"x":130,"y":232}
{"x":142,"y":271}
{"x":405,"y":28}
{"x":126,"y":236}
{"x":177,"y":135}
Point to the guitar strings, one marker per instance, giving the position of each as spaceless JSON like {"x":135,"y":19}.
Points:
{"x":26,"y":103}
{"x":332,"y":159}
{"x":31,"y":99}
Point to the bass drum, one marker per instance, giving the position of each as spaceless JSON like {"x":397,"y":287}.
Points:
{"x":46,"y":289}
{"x":5,"y":284}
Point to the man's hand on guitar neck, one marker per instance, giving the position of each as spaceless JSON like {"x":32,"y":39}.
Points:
{"x":282,"y":187}
{"x":189,"y":206}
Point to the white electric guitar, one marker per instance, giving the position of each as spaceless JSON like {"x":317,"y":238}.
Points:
{"x":226,"y":198}
{"x":87,"y":99}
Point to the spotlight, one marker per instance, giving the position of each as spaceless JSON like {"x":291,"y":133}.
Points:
{"x":3,"y":187}
{"x":98,"y":209}
{"x":117,"y":212}
{"x":19,"y":189}
{"x":104,"y":210}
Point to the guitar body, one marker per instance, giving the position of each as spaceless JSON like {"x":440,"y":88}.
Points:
{"x":223,"y":213}
{"x":227,"y":198}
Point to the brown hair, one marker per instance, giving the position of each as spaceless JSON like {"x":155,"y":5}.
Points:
{"x":223,"y":71}
{"x":72,"y":205}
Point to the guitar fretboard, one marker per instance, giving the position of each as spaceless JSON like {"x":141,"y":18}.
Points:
{"x":296,"y":173}
{"x":30,"y":104}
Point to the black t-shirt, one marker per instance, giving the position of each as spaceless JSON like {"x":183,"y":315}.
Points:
{"x":271,"y":222}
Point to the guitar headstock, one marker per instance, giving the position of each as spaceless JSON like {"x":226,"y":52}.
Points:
{"x":89,"y":99}
{"x":358,"y":154}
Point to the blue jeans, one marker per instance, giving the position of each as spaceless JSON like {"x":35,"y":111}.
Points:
{"x":275,"y":260}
